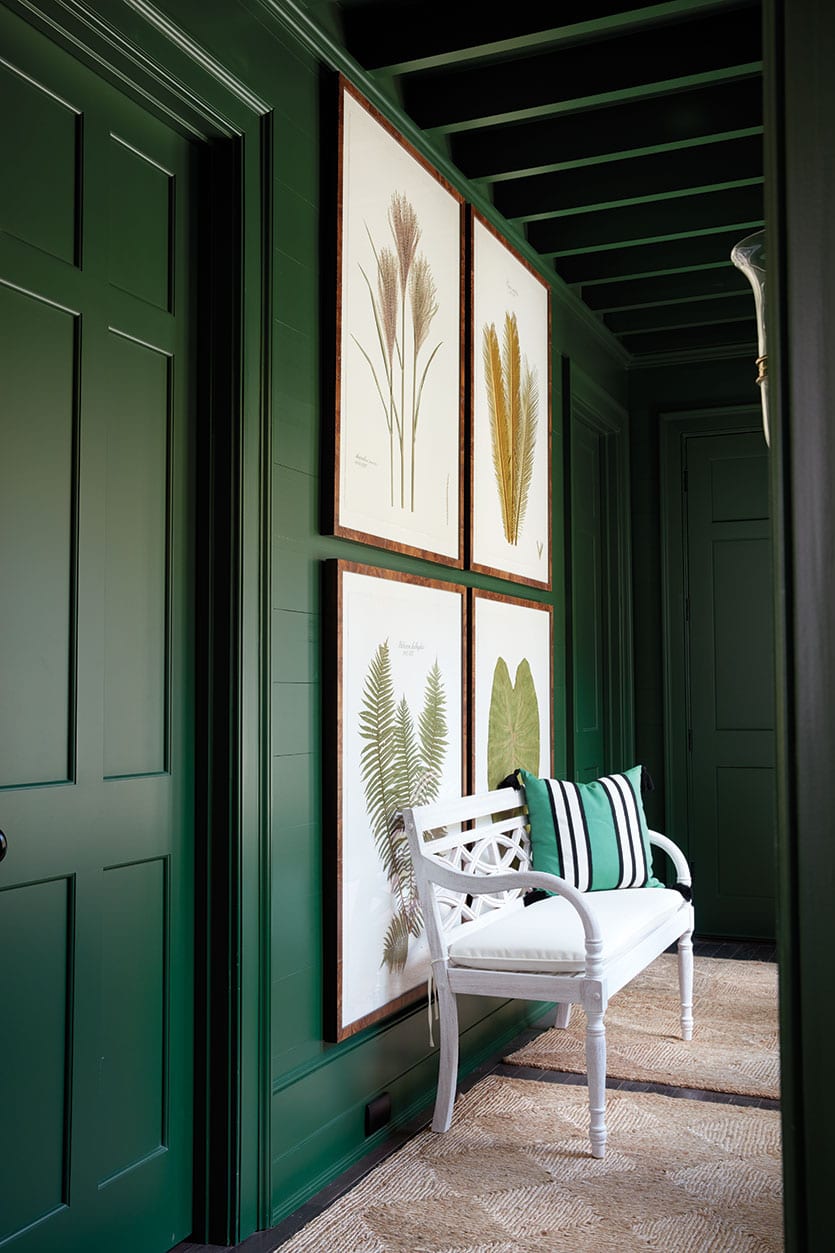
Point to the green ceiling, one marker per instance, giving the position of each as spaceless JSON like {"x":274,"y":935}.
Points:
{"x":624,"y":140}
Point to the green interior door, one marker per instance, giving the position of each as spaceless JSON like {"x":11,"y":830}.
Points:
{"x":731,"y":684}
{"x":588,"y":576}
{"x":96,"y":662}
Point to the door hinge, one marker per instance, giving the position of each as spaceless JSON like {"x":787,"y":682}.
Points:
{"x":684,"y":480}
{"x":689,"y":740}
{"x":687,"y":609}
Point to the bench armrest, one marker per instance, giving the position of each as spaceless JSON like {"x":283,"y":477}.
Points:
{"x":675,"y":855}
{"x":512,"y":881}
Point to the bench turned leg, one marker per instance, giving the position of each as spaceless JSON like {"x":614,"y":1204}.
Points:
{"x":448,"y":1060}
{"x":563,"y":1014}
{"x":596,"y":1071}
{"x":685,"y":984}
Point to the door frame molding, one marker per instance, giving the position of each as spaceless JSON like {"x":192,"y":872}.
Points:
{"x":675,"y":428}
{"x":140,"y":51}
{"x":596,"y":409}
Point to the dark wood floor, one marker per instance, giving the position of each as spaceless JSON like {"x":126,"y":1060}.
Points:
{"x":267,"y":1241}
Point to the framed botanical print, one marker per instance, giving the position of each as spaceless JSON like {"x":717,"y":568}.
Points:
{"x":399,"y":738}
{"x":510,"y":454}
{"x":398,"y":478}
{"x":512,"y":696}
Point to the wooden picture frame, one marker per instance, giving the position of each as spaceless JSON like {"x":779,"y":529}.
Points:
{"x":399,"y":700}
{"x":510,"y":412}
{"x":399,"y":421}
{"x":511,"y":687}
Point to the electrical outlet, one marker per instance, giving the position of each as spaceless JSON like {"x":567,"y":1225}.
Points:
{"x":377,"y":1113}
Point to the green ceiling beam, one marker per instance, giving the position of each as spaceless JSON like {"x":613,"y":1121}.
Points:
{"x":666,"y":288}
{"x":677,"y":339}
{"x":584,"y":163}
{"x":649,"y":90}
{"x":704,"y":115}
{"x":708,"y":49}
{"x":632,"y":180}
{"x":640,"y":224}
{"x":658,"y":196}
{"x":415,"y":34}
{"x":437,"y":34}
{"x":659,"y":317}
{"x":690,"y":252}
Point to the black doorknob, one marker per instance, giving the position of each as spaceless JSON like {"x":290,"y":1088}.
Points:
{"x":4,"y":846}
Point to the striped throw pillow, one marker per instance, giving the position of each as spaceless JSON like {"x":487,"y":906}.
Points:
{"x":594,"y":835}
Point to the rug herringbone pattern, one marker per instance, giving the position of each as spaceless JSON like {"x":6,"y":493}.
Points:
{"x":735,"y":1039}
{"x":514,"y":1175}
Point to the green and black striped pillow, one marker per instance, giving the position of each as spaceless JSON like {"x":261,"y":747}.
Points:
{"x":594,"y":835}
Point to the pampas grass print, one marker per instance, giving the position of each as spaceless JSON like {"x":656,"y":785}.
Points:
{"x":404,"y":292}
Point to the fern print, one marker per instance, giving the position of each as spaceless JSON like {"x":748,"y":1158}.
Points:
{"x":400,"y":766}
{"x":513,"y":406}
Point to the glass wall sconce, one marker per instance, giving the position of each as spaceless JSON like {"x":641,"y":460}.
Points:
{"x":749,"y":257}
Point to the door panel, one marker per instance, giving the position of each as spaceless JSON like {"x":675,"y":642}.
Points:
{"x":40,"y":369}
{"x":731,"y":684}
{"x":134,"y":1017}
{"x":41,"y":206}
{"x":35,"y":926}
{"x":96,"y":715}
{"x":137,"y":545}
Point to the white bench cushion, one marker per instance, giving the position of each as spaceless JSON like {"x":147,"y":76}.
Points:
{"x":548,"y":938}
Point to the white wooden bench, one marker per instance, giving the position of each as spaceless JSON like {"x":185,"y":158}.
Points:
{"x":471,"y":858}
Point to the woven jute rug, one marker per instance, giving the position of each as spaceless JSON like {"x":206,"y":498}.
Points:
{"x":514,"y":1175}
{"x":735,"y":1037}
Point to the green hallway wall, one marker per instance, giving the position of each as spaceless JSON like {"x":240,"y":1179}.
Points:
{"x":318,"y":1090}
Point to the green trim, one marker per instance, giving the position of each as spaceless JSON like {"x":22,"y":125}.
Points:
{"x":130,"y":44}
{"x":264,"y":996}
{"x":176,"y":36}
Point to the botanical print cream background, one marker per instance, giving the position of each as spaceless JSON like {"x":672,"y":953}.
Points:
{"x":421,"y":625}
{"x":376,"y":168}
{"x":503,"y":285}
{"x":514,"y":632}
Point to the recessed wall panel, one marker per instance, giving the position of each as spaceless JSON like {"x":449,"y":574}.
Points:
{"x":133,"y":1048}
{"x":39,"y":166}
{"x":136,"y":570}
{"x":744,"y":637}
{"x":587,"y":583}
{"x":746,"y":808}
{"x":35,"y":1005}
{"x":141,"y":204}
{"x":37,"y":467}
{"x":739,"y":489}
{"x":587,"y":627}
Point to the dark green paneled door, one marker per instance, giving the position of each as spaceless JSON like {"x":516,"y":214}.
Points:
{"x":588,"y":599}
{"x":731,"y":684}
{"x":96,"y":659}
